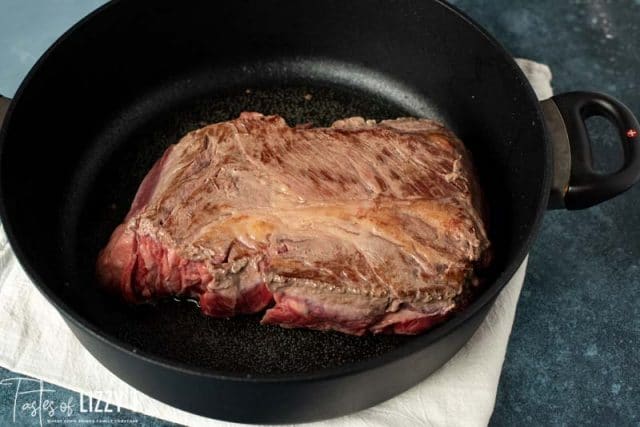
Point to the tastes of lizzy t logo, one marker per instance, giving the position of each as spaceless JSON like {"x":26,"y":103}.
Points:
{"x":32,"y":399}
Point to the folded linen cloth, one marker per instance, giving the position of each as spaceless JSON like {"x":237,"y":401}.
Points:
{"x":35,"y":341}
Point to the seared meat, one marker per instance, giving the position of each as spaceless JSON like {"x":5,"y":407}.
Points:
{"x":358,"y":227}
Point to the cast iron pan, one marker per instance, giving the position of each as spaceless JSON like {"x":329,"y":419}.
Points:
{"x":112,"y":93}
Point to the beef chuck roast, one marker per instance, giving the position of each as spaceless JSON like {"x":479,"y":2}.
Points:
{"x":358,"y":227}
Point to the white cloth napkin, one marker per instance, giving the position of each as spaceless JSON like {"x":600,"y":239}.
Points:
{"x":35,"y":341}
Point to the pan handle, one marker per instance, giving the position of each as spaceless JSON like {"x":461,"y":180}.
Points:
{"x":4,"y":106}
{"x":576,"y":185}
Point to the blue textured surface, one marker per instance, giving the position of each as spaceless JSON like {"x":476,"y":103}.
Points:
{"x":574,"y":355}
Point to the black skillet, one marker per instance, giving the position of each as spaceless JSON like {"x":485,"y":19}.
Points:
{"x":105,"y":100}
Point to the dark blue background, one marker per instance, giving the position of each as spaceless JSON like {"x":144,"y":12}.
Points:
{"x":574,"y":353}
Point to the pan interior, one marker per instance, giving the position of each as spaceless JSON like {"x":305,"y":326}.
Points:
{"x":105,"y":185}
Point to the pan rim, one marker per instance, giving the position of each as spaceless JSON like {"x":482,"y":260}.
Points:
{"x":353,"y":368}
